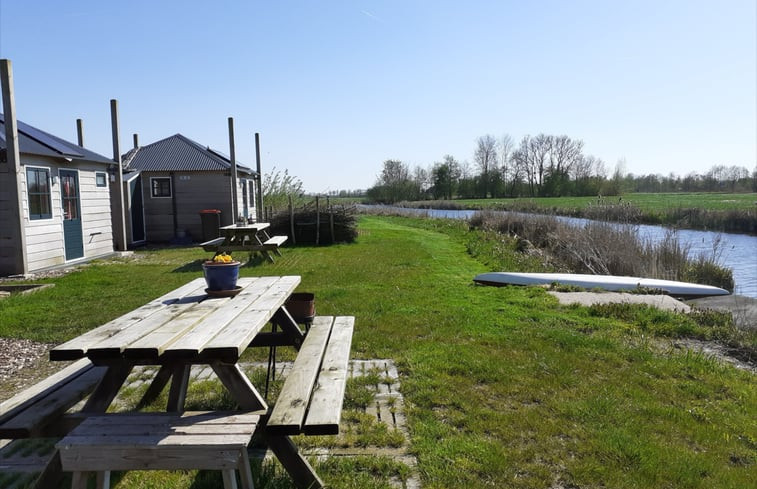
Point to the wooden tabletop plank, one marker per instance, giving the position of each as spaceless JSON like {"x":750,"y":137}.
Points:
{"x":79,"y":346}
{"x":326,"y":403}
{"x":235,"y":336}
{"x":151,"y":345}
{"x":206,"y":315}
{"x":194,"y":340}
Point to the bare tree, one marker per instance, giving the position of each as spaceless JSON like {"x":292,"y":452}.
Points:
{"x":485,"y":157}
{"x":506,"y":148}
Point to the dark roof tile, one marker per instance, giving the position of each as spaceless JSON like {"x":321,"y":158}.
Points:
{"x":178,"y":153}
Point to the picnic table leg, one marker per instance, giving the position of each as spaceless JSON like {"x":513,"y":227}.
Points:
{"x":108,"y":387}
{"x":239,"y":385}
{"x":299,"y":469}
{"x":245,"y":474}
{"x":52,"y":474}
{"x":289,"y":326}
{"x":156,"y":387}
{"x":179,"y":384}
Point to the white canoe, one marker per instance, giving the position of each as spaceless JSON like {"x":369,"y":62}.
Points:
{"x":605,"y":282}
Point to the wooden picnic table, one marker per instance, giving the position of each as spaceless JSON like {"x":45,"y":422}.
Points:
{"x":249,"y":237}
{"x":187,"y":327}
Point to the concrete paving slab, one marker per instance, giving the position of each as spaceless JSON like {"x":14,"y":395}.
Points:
{"x":590,"y":298}
{"x":743,"y":308}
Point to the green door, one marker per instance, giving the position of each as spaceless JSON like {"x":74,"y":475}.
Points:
{"x":72,"y":234}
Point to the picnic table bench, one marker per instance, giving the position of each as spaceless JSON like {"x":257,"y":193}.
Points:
{"x":160,"y":441}
{"x":38,"y":411}
{"x":42,"y":410}
{"x":252,"y":238}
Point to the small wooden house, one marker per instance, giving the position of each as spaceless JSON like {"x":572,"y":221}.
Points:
{"x":167,"y":184}
{"x":59,"y":211}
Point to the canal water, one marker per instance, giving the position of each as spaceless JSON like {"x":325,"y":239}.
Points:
{"x":736,"y":251}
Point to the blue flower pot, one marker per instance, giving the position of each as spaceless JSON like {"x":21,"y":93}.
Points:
{"x":221,"y":276}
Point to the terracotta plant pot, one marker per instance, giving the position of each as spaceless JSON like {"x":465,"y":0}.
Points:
{"x":301,"y":306}
{"x":221,"y":276}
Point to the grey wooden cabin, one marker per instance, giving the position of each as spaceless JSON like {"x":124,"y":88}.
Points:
{"x":167,"y":184}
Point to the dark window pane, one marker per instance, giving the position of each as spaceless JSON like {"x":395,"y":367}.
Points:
{"x":38,"y":190}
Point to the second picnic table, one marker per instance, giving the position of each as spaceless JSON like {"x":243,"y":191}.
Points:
{"x":250,"y":237}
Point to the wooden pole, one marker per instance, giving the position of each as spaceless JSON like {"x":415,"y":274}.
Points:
{"x":119,"y":218}
{"x":291,"y":220}
{"x":16,"y":261}
{"x":259,"y":210}
{"x":80,"y":132}
{"x":331,"y":219}
{"x":317,"y":220}
{"x":234,"y":203}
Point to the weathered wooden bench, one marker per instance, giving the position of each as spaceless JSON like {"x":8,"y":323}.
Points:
{"x":39,"y":410}
{"x":160,"y":441}
{"x":213,"y":244}
{"x":310,"y":402}
{"x":273,"y":243}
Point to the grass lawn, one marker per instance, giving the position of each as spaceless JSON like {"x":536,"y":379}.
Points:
{"x":503,"y":386}
{"x":648,"y":202}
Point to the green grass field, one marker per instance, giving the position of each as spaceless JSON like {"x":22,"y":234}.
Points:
{"x":503,"y":386}
{"x":647,"y":202}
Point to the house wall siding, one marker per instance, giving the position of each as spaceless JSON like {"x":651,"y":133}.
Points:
{"x":44,"y":237}
{"x":193,"y":192}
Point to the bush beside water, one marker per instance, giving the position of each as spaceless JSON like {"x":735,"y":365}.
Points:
{"x":607,"y":249}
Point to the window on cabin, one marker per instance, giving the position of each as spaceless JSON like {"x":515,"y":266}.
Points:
{"x":161,"y":187}
{"x":101,"y":179}
{"x":38,"y":191}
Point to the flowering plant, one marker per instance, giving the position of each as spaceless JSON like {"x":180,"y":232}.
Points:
{"x":221,"y":258}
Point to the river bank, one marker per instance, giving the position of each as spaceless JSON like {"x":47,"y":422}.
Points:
{"x":728,"y":213}
{"x":732,"y":251}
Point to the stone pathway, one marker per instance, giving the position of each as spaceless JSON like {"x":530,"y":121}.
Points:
{"x":388,"y":408}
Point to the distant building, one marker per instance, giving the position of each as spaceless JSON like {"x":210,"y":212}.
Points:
{"x":167,"y":184}
{"x":63,"y":211}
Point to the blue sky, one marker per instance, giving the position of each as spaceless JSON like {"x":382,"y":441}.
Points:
{"x":336,"y":87}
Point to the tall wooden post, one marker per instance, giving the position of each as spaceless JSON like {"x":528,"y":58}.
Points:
{"x":291,"y":220}
{"x":331,"y":219}
{"x":80,"y":132}
{"x":13,"y":259}
{"x":234,"y":203}
{"x":259,"y":207}
{"x":317,"y":220}
{"x":117,"y":199}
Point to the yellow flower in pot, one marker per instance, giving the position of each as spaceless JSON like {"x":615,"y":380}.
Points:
{"x":221,"y":273}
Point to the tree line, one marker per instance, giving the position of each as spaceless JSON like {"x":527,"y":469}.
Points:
{"x":538,"y":166}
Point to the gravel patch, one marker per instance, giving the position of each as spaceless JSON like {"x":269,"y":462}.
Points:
{"x":22,"y":364}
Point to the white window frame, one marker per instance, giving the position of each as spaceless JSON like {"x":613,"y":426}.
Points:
{"x":50,"y":183}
